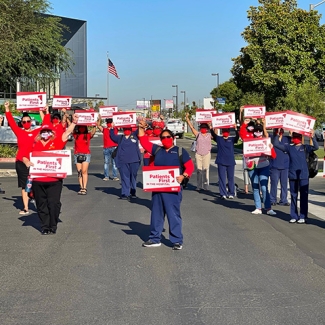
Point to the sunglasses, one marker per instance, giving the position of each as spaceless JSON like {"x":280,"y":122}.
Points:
{"x":166,"y":137}
{"x":24,"y":122}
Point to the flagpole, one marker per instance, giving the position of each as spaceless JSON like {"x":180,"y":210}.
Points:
{"x":107,"y":81}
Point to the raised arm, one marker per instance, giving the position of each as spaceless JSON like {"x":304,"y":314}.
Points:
{"x":213,"y":134}
{"x":194,"y":131}
{"x":313,"y":143}
{"x":115,"y":137}
{"x":11,"y":121}
{"x":99,"y":124}
{"x":278,"y":145}
{"x":71,"y":127}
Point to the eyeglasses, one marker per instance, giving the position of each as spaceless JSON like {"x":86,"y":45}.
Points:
{"x":166,"y":137}
{"x":24,"y":122}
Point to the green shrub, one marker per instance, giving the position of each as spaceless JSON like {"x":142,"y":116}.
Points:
{"x":8,"y":151}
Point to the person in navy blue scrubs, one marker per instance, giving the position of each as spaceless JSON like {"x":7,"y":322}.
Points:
{"x":279,"y":170}
{"x":225,"y":161}
{"x":167,"y":203}
{"x":127,"y":160}
{"x":298,"y":173}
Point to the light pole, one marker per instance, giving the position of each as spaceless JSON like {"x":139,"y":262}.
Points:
{"x":312,"y":7}
{"x":217,"y":75}
{"x":183,"y":92}
{"x":176,"y":97}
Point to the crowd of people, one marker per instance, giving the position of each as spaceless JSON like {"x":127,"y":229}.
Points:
{"x":285,"y":162}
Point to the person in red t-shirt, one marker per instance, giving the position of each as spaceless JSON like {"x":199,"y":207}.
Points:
{"x":82,"y":154}
{"x":25,"y":139}
{"x":47,"y":190}
{"x":59,"y":125}
{"x":109,"y":147}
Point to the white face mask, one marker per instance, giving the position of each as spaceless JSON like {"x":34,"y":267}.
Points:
{"x":46,"y":135}
{"x":258,"y":134}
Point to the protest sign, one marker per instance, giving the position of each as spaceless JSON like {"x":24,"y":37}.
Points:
{"x":160,"y":179}
{"x":52,"y":163}
{"x":274,"y":120}
{"x":253,"y":111}
{"x":60,"y":102}
{"x":257,"y":147}
{"x":125,"y":119}
{"x":87,"y":117}
{"x":107,"y":111}
{"x":30,"y":101}
{"x":204,"y":115}
{"x":223,"y":120}
{"x":299,"y":123}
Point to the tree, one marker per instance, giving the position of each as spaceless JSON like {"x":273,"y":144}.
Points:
{"x":30,"y":42}
{"x":286,"y":48}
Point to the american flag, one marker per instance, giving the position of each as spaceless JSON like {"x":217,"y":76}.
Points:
{"x":112,"y":69}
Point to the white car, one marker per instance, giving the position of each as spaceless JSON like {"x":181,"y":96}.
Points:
{"x":176,"y":126}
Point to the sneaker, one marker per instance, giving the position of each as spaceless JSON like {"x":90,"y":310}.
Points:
{"x":293,"y":220}
{"x":177,"y":247}
{"x":124,"y":197}
{"x":271,"y":212}
{"x":116,"y":179}
{"x":106,"y":179}
{"x":301,"y":221}
{"x":230,"y":197}
{"x":134,"y":196}
{"x":150,"y":243}
{"x":257,"y":211}
{"x":223,"y":197}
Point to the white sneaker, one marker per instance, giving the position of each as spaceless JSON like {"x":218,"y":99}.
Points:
{"x":230,"y":197}
{"x":257,"y":211}
{"x":271,"y":212}
{"x":106,"y":179}
{"x":293,"y":220}
{"x":301,"y":221}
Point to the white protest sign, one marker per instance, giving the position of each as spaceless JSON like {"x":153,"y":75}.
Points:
{"x":160,"y":179}
{"x":204,"y":115}
{"x":299,"y":123}
{"x":257,"y":147}
{"x":107,"y":111}
{"x":125,"y":119}
{"x":60,"y":102}
{"x":30,"y":101}
{"x":223,"y":120}
{"x":274,"y":120}
{"x":251,"y":111}
{"x":52,"y":163}
{"x":88,"y":117}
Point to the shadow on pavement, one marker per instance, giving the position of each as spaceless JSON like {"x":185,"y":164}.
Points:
{"x":98,"y":175}
{"x":31,"y":220}
{"x":17,"y":201}
{"x":109,"y":190}
{"x":72,"y":187}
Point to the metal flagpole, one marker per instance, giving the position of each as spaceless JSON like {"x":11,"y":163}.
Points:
{"x":107,"y":81}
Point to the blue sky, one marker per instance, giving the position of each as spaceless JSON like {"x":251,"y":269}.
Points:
{"x":155,"y":44}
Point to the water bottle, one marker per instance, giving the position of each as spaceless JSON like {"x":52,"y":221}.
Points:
{"x":29,"y":184}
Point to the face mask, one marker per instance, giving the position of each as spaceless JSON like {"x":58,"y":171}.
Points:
{"x":204,"y":130}
{"x":82,"y":130}
{"x":156,"y":132}
{"x":258,"y":134}
{"x":27,"y":125}
{"x":55,"y":120}
{"x":296,"y":140}
{"x":225,"y":134}
{"x":167,"y":143}
{"x":109,"y":125}
{"x":46,"y":135}
{"x":127,"y":132}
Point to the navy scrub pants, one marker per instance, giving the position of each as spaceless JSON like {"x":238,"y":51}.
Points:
{"x":169,"y":204}
{"x":301,"y":186}
{"x":128,"y":173}
{"x":225,"y":172}
{"x":275,"y":176}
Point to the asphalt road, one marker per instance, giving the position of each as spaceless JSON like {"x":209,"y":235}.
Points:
{"x":235,"y":268}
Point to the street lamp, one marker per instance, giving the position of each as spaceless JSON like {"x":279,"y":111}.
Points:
{"x":176,"y":97}
{"x":183,"y":92}
{"x":217,"y":74}
{"x":312,"y":7}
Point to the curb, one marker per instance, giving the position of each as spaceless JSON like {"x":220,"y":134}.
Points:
{"x":6,"y":160}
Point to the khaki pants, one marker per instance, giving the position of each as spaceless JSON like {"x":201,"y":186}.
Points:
{"x":203,"y":166}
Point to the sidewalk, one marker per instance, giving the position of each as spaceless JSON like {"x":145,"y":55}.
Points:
{"x":318,"y":198}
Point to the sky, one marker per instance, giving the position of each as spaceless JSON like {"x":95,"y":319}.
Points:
{"x":155,"y":44}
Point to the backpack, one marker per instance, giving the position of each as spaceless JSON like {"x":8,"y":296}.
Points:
{"x":312,"y":163}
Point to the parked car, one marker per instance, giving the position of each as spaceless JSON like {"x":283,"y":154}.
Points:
{"x":319,"y":133}
{"x":176,"y":126}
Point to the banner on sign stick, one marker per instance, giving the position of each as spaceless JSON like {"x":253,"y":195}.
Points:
{"x":125,"y":119}
{"x":30,"y":101}
{"x":204,"y":115}
{"x":251,"y":111}
{"x":60,"y":102}
{"x":52,"y":163}
{"x":107,"y":111}
{"x":257,"y":147}
{"x":274,"y":120}
{"x":87,"y":117}
{"x":223,"y":120}
{"x":160,"y":179}
{"x":298,"y":123}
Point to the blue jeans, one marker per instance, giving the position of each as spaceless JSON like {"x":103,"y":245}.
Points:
{"x":107,"y":159}
{"x":260,"y":178}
